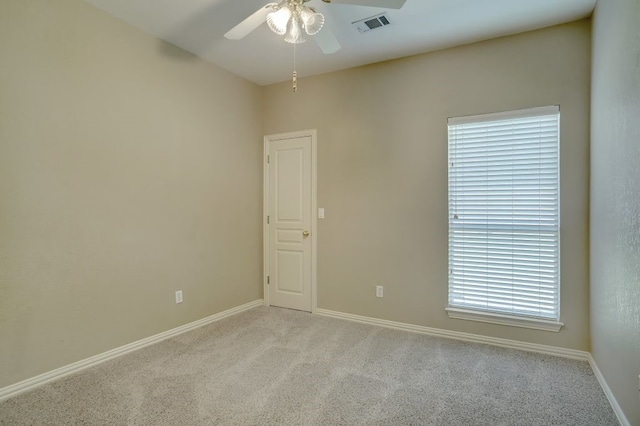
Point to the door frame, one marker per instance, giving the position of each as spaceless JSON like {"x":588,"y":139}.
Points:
{"x":313,"y":134}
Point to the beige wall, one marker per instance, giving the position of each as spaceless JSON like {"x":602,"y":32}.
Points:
{"x":615,"y":200}
{"x":382,"y":170}
{"x":128,"y":170}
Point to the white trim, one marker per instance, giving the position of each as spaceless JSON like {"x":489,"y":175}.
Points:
{"x":495,"y":341}
{"x":521,"y":113}
{"x":313,"y":134}
{"x":607,"y":391}
{"x":265,"y":228}
{"x":41,"y":379}
{"x":501,"y":319}
{"x":471,"y":150}
{"x":314,"y":220}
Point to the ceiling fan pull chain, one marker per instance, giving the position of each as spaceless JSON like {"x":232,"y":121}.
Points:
{"x":295,"y":74}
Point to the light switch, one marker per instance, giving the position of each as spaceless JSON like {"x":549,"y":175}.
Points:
{"x":321,"y":213}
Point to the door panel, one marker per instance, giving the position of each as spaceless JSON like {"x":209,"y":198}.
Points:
{"x":289,"y":165}
{"x":289,"y":272}
{"x":290,"y":216}
{"x":289,"y":236}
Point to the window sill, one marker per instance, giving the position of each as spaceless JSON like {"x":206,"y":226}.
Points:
{"x":501,"y":319}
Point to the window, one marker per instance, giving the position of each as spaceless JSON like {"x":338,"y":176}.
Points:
{"x":504,"y":231}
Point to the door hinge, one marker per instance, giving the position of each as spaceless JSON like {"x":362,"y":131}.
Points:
{"x":268,"y":279}
{"x":267,"y":219}
{"x":268,"y":159}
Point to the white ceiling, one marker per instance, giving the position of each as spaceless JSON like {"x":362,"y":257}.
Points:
{"x":264,"y":58}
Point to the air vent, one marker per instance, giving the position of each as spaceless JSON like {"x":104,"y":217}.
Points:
{"x":372,"y":23}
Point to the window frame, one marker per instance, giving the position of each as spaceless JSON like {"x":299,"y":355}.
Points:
{"x":492,"y":316}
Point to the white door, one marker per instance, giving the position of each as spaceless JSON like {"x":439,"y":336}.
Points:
{"x":288,"y":257}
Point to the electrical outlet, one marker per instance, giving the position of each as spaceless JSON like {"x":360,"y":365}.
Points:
{"x":379,"y":291}
{"x":179,"y":296}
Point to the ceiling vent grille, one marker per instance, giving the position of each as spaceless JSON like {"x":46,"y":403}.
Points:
{"x":372,"y":23}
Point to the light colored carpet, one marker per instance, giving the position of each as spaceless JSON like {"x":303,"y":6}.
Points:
{"x":277,"y":366}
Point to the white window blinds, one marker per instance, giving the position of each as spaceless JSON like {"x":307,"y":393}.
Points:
{"x":504,"y":213}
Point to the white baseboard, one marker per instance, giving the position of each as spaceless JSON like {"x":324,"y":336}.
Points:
{"x":607,"y":391}
{"x":28,"y":384}
{"x":495,"y":341}
{"x":505,"y":343}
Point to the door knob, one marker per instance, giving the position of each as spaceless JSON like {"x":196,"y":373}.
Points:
{"x":305,"y":233}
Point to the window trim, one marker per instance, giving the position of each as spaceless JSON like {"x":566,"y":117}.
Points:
{"x":503,"y":319}
{"x":494,"y":116}
{"x":500,"y":318}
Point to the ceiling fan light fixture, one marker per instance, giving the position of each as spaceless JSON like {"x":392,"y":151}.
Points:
{"x":279,"y":19}
{"x":292,"y":19}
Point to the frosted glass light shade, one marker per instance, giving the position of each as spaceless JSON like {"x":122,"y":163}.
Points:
{"x":295,"y":34}
{"x":279,"y":19}
{"x":313,"y":21}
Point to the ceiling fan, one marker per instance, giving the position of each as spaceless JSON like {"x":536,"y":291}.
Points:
{"x":294,"y":20}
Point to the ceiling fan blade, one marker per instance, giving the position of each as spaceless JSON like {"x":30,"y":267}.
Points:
{"x":327,"y":41}
{"x":251,"y":23}
{"x":387,"y":4}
